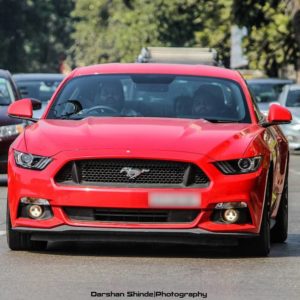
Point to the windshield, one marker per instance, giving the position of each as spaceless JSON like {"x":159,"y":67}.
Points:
{"x":38,"y":89}
{"x":6,"y":92}
{"x":267,"y":92}
{"x":293,"y":99}
{"x":140,"y":95}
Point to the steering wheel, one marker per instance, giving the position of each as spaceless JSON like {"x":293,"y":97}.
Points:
{"x":100,"y":108}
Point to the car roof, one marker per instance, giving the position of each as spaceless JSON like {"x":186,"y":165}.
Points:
{"x":176,"y":69}
{"x":38,"y":76}
{"x":294,"y":87}
{"x":270,"y":81}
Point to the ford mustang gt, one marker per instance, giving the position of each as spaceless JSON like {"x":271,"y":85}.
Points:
{"x":149,"y":153}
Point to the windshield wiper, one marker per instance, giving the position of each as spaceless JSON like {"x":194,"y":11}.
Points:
{"x":220,"y":120}
{"x":72,"y":116}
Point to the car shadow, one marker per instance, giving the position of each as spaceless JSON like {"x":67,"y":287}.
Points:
{"x":289,"y":249}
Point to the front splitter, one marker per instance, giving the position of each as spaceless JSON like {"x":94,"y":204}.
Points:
{"x":194,"y":236}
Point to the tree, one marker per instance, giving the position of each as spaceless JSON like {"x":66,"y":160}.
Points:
{"x":115,"y":31}
{"x":294,"y":9}
{"x":34,"y":33}
{"x":270,"y":43}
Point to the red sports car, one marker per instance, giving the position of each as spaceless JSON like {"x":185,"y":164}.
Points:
{"x":149,"y":153}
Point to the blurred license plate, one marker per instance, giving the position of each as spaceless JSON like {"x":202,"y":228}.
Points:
{"x":176,"y":199}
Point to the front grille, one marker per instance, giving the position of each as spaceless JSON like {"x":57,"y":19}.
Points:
{"x":121,"y":172}
{"x":131,"y":215}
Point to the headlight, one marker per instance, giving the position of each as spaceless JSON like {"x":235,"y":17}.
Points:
{"x":30,"y":161}
{"x":239,"y":166}
{"x":10,"y":130}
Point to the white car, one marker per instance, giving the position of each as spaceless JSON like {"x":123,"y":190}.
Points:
{"x":290,"y":98}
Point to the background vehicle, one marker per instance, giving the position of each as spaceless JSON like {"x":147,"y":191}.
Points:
{"x":290,"y":98}
{"x":9,"y":127}
{"x":178,"y":55}
{"x":39,"y":86}
{"x":267,"y":90}
{"x":150,"y":152}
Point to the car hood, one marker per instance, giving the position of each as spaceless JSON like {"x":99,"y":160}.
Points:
{"x":48,"y":137}
{"x":5,"y":119}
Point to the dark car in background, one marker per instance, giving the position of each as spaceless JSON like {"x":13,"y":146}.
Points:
{"x":267,"y":90}
{"x":39,"y":86}
{"x":9,"y":127}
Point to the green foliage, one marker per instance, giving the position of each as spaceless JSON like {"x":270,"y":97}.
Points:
{"x":270,"y":43}
{"x":34,"y":33}
{"x":110,"y":31}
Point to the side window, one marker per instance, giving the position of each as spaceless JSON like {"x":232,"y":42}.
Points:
{"x":6,"y":92}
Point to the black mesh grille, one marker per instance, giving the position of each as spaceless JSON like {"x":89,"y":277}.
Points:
{"x":131,"y":215}
{"x":131,"y":172}
{"x":65,"y":174}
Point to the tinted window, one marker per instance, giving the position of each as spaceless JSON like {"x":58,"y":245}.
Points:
{"x":38,"y":89}
{"x":266,"y":92}
{"x":164,"y":96}
{"x":293,"y":99}
{"x":6,"y":92}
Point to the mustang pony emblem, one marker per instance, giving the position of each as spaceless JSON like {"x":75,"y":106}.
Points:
{"x":132,"y":173}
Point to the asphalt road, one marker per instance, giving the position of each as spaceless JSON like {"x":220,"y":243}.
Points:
{"x":72,"y":271}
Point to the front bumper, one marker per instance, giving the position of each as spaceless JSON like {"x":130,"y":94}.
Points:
{"x":194,"y":236}
{"x":249,"y":188}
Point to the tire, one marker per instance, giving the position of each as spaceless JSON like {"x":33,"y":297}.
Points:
{"x":279,"y":232}
{"x":19,"y":240}
{"x":260,"y":246}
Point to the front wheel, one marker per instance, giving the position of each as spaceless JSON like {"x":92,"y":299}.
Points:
{"x":19,"y":240}
{"x":279,"y":232}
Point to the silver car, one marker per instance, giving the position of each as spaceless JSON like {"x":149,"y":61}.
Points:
{"x":290,"y":98}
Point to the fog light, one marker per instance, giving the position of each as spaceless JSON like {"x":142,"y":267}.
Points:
{"x":231,"y":215}
{"x":35,"y":211}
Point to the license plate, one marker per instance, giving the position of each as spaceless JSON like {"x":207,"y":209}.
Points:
{"x":174,"y":200}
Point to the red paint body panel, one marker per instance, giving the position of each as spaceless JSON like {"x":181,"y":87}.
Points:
{"x":182,"y":135}
{"x":221,"y":190}
{"x":21,"y":108}
{"x":278,"y":113}
{"x":194,"y":141}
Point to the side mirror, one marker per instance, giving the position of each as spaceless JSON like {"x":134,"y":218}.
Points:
{"x":21,"y":109}
{"x":36,"y":104}
{"x":278,"y":115}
